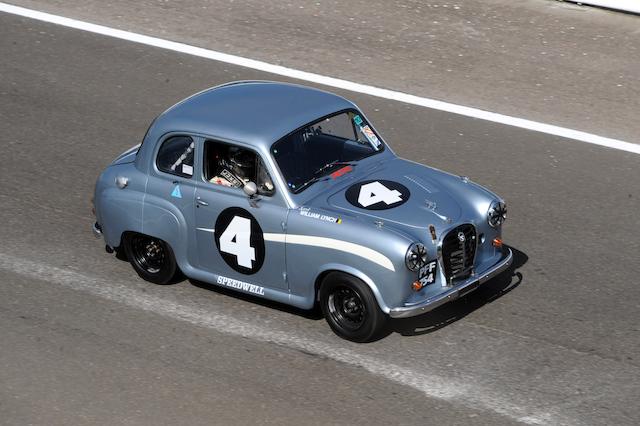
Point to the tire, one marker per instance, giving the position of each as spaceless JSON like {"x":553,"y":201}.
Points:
{"x":150,"y":257}
{"x":350,"y":308}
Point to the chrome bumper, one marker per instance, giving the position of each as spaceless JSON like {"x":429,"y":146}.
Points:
{"x":97,"y":230}
{"x":459,"y":290}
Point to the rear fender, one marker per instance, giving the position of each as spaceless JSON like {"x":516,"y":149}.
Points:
{"x":120,"y":211}
{"x":163,"y":220}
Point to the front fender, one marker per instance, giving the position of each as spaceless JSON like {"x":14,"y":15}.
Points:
{"x":316,"y":243}
{"x":330,"y":267}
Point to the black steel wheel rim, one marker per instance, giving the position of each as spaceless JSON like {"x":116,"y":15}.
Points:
{"x":347,"y":308}
{"x":148,"y":253}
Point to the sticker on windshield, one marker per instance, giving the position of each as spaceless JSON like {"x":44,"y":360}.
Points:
{"x":370,"y":136}
{"x":357,"y":120}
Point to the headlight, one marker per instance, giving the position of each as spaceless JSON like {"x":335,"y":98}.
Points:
{"x":416,"y":256}
{"x":497,"y":213}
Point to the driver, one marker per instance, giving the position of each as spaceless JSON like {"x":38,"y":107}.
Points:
{"x":235,"y":168}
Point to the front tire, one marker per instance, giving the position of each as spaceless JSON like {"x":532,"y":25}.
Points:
{"x":150,"y":257}
{"x":350,"y":308}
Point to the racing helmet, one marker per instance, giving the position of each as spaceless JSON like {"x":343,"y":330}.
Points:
{"x":241,"y":162}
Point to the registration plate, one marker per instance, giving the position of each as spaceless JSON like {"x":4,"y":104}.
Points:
{"x":427,"y":274}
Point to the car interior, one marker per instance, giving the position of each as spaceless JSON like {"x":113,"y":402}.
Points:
{"x":234,"y":166}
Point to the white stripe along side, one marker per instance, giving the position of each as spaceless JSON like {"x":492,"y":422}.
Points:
{"x":333,"y":244}
{"x":324,"y":80}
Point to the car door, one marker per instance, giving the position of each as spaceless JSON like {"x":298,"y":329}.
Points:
{"x":238,"y":237}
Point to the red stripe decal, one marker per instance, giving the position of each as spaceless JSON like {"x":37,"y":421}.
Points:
{"x":340,"y":172}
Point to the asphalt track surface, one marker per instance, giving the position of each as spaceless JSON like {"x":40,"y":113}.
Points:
{"x":543,"y":60}
{"x":84,"y":341}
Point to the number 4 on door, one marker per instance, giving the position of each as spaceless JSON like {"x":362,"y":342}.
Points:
{"x":236,"y":240}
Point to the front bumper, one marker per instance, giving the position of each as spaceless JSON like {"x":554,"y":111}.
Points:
{"x":460,"y":289}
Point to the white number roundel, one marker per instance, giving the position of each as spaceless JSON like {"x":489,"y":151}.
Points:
{"x":236,"y":240}
{"x":240,"y":241}
{"x":375,"y":192}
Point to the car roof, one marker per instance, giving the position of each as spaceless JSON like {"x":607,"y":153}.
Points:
{"x":254,"y":112}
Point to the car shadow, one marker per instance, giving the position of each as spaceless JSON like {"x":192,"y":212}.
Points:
{"x":458,"y":309}
{"x":313,"y":314}
{"x":414,"y":326}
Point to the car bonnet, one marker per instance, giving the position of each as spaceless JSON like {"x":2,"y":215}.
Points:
{"x":402,"y":192}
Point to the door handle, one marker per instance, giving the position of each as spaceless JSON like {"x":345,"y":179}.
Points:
{"x":201,"y":201}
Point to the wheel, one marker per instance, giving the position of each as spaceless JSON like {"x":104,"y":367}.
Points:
{"x":350,"y":308}
{"x":150,"y":257}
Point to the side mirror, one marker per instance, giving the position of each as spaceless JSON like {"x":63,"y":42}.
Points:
{"x":250,"y":189}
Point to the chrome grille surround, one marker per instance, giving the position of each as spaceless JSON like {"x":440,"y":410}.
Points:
{"x":459,"y":248}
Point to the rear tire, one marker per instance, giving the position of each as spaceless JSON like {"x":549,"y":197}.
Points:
{"x":150,"y":257}
{"x":350,"y":308}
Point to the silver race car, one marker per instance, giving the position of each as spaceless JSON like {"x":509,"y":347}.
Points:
{"x":290,"y":194}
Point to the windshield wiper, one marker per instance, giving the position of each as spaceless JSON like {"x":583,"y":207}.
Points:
{"x":333,"y":163}
{"x":317,"y":176}
{"x":309,"y":182}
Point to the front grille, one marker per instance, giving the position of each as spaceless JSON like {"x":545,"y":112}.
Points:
{"x":458,"y":256}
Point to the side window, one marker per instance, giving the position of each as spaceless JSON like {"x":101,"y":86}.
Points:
{"x":175,"y":156}
{"x":233,"y":166}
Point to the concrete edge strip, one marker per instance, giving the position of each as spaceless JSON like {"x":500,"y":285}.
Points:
{"x":431,"y":384}
{"x":324,"y":80}
{"x":632,"y":6}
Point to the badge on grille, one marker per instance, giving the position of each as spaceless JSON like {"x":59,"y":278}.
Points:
{"x":461,"y":237}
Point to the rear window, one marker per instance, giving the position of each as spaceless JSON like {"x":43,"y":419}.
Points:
{"x":176,"y":156}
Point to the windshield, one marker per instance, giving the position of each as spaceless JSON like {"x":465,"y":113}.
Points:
{"x":313,"y":152}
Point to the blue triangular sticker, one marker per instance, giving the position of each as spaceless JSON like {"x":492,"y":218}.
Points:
{"x":176,"y":192}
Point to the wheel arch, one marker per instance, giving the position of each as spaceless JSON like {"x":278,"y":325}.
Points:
{"x":162,"y":220}
{"x":349,"y":270}
{"x":173,"y":276}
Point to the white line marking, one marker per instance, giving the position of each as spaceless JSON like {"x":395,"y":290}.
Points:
{"x":333,"y":244}
{"x":431,"y":384}
{"x":324,"y":80}
{"x":624,"y":5}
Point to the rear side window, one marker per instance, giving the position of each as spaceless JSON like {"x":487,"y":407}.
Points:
{"x":176,"y":156}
